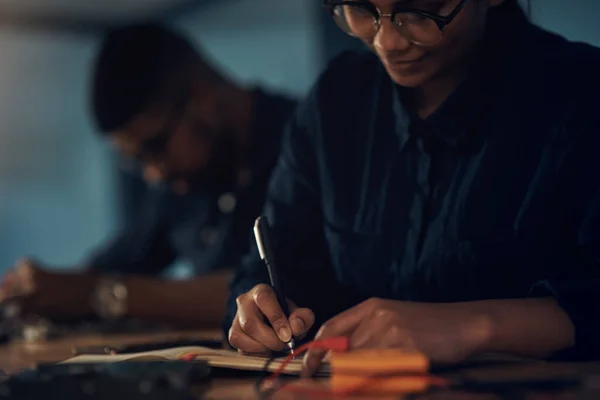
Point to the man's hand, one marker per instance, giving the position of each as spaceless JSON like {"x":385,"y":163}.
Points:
{"x":446,"y":333}
{"x":42,"y":292}
{"x":250,"y":333}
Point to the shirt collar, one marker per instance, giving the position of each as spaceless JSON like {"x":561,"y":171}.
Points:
{"x":459,"y":116}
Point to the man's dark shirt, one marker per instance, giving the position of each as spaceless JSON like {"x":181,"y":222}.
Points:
{"x":494,"y":196}
{"x":206,"y":228}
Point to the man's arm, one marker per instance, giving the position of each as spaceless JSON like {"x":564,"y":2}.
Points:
{"x":195,"y":303}
{"x":140,"y":247}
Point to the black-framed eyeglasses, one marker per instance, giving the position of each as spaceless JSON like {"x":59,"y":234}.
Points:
{"x":362,"y":19}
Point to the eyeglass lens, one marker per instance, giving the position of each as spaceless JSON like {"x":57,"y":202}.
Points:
{"x":360,"y":22}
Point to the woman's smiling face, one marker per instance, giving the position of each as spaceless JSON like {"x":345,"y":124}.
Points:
{"x":413,"y":64}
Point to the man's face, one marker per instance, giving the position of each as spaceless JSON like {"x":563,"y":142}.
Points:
{"x":181,"y":142}
{"x":412,"y":65}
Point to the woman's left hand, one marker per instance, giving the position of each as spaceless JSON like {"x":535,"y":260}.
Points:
{"x":445,"y":332}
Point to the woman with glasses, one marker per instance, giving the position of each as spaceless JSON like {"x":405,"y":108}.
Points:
{"x":438,"y":192}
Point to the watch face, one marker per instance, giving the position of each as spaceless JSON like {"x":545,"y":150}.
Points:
{"x":110,"y":299}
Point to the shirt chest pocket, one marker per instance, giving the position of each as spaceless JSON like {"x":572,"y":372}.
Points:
{"x":357,"y":233}
{"x":360,"y":258}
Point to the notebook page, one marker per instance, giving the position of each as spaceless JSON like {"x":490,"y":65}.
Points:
{"x":214,"y":357}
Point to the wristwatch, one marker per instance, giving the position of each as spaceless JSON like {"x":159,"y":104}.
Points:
{"x":110,"y":298}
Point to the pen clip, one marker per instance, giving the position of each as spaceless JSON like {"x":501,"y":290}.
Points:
{"x":259,"y":245}
{"x":262,"y":231}
{"x":263,"y":239}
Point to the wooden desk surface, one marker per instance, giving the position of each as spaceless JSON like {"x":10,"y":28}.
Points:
{"x":20,"y":355}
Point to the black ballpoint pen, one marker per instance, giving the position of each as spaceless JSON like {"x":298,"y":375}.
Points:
{"x":264,"y":242}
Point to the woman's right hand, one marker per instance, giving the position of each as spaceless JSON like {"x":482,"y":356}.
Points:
{"x":250,"y":334}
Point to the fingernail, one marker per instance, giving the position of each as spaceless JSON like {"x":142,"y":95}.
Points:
{"x":285,"y":334}
{"x":297,"y":325}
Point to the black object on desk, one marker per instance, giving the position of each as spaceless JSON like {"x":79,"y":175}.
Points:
{"x":266,"y":249}
{"x":131,"y":380}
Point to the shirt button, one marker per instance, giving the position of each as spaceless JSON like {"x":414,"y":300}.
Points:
{"x":226,"y":203}
{"x":209,"y":236}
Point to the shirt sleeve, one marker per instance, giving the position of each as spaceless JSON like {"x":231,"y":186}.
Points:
{"x":577,"y":287}
{"x":577,"y":291}
{"x":140,"y":248}
{"x":294,"y":212}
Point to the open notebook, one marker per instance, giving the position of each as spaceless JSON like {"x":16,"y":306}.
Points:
{"x":215,"y":358}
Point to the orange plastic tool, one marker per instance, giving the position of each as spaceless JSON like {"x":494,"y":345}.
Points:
{"x":378,"y":362}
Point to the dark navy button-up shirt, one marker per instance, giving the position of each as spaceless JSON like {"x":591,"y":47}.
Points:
{"x":496,"y":195}
{"x":207,"y":229}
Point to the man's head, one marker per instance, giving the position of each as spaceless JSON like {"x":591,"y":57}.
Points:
{"x":161,"y":104}
{"x":418,"y":40}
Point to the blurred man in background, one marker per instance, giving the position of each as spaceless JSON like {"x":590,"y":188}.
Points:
{"x":205,"y":148}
